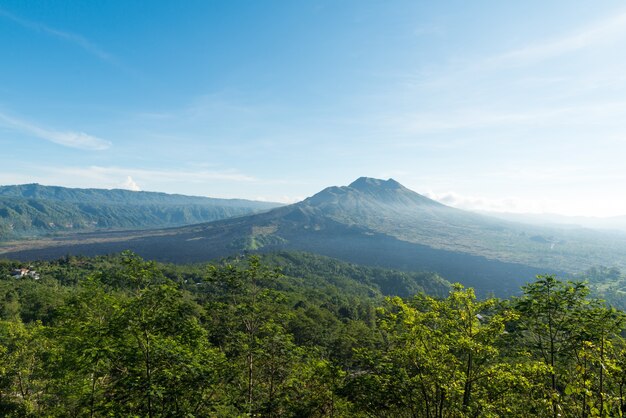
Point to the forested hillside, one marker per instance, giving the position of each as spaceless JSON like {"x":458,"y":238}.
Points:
{"x":120,"y":336}
{"x":32,"y":210}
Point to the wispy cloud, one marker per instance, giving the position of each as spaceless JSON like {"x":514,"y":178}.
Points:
{"x":601,"y":32}
{"x":70,"y":37}
{"x":109,"y":174}
{"x":466,"y":71}
{"x":608,"y":114}
{"x":70,"y":139}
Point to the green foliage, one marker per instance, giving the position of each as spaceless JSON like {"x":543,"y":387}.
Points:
{"x":441,"y":358}
{"x":571,"y":335}
{"x":608,"y":283}
{"x":292,"y":335}
{"x":23,"y":377}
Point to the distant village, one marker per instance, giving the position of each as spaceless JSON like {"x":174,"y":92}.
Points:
{"x":24,"y":272}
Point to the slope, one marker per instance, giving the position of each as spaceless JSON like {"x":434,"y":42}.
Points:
{"x":33,"y":210}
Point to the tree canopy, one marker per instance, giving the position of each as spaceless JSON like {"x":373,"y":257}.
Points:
{"x":121,"y":336}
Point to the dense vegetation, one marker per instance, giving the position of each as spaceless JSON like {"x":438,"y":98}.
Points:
{"x":31,"y":210}
{"x":608,"y":283}
{"x":119,"y":336}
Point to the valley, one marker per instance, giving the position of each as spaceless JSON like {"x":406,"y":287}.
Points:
{"x":372,"y":222}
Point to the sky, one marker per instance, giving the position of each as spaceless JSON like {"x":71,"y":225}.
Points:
{"x":485,"y":105}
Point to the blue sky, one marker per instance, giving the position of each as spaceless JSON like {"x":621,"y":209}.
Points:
{"x":508,"y":106}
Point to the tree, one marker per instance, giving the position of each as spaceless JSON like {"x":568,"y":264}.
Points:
{"x":23,"y":376}
{"x":250,"y":326}
{"x":86,"y":342}
{"x":571,"y":334}
{"x":440,"y":357}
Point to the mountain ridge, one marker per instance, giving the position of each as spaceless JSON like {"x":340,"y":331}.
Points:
{"x":33,"y":210}
{"x":85,"y":195}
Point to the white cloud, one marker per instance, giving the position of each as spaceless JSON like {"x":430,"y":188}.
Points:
{"x":70,"y":139}
{"x":478,"y":203}
{"x":130,"y":184}
{"x":280,"y":199}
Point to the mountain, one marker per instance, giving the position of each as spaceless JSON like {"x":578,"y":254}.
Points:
{"x":33,"y":210}
{"x":373,"y":222}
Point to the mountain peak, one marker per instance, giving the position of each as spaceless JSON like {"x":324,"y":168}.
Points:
{"x":366,"y":191}
{"x":368,"y":183}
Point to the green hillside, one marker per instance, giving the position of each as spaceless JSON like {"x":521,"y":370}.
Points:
{"x":118,"y":196}
{"x":33,"y":210}
{"x":307,"y":271}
